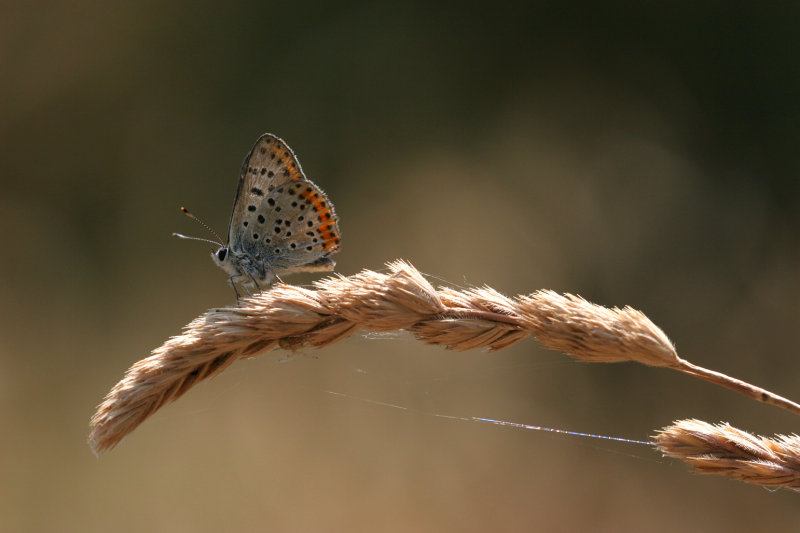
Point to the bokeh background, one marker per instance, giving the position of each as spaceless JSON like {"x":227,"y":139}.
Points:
{"x":636,"y":154}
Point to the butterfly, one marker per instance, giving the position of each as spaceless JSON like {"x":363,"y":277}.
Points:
{"x":281,"y":221}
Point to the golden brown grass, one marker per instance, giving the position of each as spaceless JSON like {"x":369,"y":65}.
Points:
{"x":291,"y":317}
{"x":723,"y":449}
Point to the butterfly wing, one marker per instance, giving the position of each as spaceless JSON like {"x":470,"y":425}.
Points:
{"x":281,"y":219}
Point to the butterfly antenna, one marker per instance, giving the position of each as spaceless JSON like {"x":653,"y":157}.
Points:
{"x":190,"y":215}
{"x":181,"y":236}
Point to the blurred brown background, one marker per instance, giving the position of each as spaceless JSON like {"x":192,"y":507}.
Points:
{"x":633,"y":154}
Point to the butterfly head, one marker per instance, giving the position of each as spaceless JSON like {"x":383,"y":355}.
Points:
{"x":222,"y":258}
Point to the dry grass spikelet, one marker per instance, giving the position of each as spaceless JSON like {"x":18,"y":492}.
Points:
{"x":594,"y":333}
{"x":723,"y":449}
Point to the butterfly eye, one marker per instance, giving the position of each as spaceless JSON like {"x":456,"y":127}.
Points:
{"x":222,"y":253}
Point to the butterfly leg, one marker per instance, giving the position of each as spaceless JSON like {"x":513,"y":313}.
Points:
{"x":232,"y":283}
{"x":271,"y":276}
{"x":252,"y":282}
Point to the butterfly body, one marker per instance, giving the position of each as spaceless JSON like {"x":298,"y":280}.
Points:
{"x":281,"y":222}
